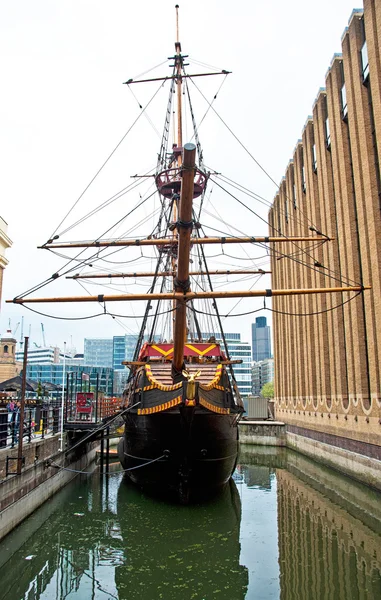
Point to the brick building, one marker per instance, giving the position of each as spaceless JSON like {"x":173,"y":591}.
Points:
{"x":5,"y":243}
{"x":327,"y":365}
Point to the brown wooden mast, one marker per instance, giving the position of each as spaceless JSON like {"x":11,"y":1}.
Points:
{"x":193,"y":295}
{"x":181,"y":282}
{"x":195,"y":240}
{"x":167,"y":274}
{"x":179,"y":65}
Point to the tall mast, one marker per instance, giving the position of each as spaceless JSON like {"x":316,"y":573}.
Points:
{"x":181,"y":282}
{"x":179,"y":64}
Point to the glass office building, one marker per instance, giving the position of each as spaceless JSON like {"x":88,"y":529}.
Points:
{"x":238,"y":350}
{"x":98,"y":352}
{"x":262,"y":372}
{"x":261,"y":339}
{"x":123,"y":349}
{"x":45,"y":355}
{"x":91,"y":377}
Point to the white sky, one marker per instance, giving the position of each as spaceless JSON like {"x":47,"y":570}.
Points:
{"x":63,"y":110}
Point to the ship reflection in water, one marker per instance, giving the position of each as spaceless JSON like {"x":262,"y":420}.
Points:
{"x":285,"y":528}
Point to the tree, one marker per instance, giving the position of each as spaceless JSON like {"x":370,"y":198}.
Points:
{"x":267,"y":390}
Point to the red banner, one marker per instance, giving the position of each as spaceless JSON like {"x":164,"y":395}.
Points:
{"x":196,"y":349}
{"x":85,"y":402}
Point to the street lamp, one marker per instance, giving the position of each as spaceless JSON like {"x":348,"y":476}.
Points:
{"x":63,"y":398}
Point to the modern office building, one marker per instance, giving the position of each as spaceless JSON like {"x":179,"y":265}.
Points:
{"x":110,"y":352}
{"x":43,"y":356}
{"x":262,"y":372}
{"x":90,"y":376}
{"x":98,"y":352}
{"x":237,"y":350}
{"x":260,"y":339}
{"x":123,"y":349}
{"x":327,"y":361}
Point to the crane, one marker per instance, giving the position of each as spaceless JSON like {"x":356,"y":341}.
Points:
{"x":43,"y":335}
{"x":21,"y":342}
{"x":9,"y":330}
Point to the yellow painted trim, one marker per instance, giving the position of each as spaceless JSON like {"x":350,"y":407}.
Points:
{"x":212,"y":384}
{"x":199,"y":352}
{"x":163,"y":352}
{"x":216,"y":409}
{"x":155,"y":409}
{"x":160,"y":386}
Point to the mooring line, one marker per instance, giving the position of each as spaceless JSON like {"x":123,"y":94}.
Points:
{"x":51,"y":464}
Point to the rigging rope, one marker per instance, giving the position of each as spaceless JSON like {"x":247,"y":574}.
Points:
{"x":330,"y":273}
{"x":288,"y":314}
{"x":94,"y":256}
{"x":105,"y":162}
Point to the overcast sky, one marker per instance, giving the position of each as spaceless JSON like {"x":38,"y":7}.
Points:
{"x":64,"y":109}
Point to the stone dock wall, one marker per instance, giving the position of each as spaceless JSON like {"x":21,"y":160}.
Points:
{"x":21,"y":495}
{"x":365,"y":468}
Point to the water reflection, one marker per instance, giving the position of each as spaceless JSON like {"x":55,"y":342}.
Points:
{"x":111,"y":541}
{"x":285,"y":528}
{"x":329,"y":534}
{"x":181,"y":552}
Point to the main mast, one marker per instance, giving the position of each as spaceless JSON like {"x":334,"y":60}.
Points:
{"x":181,"y":281}
{"x":183,"y":230}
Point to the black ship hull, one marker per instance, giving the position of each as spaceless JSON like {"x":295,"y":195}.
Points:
{"x":187,"y":453}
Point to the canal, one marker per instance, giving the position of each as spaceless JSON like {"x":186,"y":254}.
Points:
{"x":285,"y":528}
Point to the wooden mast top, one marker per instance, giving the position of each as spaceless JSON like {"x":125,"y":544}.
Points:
{"x":179,"y":64}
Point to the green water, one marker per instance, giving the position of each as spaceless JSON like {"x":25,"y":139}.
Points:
{"x":286,"y":528}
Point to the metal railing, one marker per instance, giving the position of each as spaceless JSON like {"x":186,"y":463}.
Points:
{"x":39,"y":422}
{"x":94,"y":410}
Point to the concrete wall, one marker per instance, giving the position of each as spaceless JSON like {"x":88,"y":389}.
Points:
{"x":327,"y":347}
{"x":362,"y":468}
{"x":356,"y":462}
{"x":259,"y":433}
{"x":21,"y":495}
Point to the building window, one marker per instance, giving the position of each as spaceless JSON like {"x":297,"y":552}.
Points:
{"x":293,"y":188}
{"x":285,"y":208}
{"x":344,"y":107}
{"x":303,"y":180}
{"x":364,"y":62}
{"x":343,"y":95}
{"x":314,"y":160}
{"x":327,"y":135}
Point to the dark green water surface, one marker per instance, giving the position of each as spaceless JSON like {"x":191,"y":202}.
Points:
{"x":285,"y":528}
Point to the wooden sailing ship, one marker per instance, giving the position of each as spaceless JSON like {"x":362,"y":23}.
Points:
{"x":181,"y":406}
